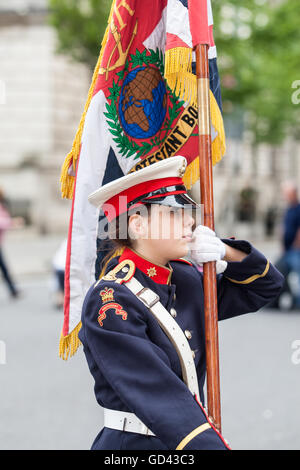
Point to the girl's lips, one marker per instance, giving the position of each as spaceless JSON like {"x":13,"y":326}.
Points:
{"x":188,"y":238}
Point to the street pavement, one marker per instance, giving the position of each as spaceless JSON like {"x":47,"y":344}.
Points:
{"x":260,"y":380}
{"x":47,"y":403}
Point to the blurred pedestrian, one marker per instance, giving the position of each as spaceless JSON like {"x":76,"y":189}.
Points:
{"x":291,"y":233}
{"x":59,"y":262}
{"x":270,"y":221}
{"x":291,"y":237}
{"x":289,"y":262}
{"x":247,"y":204}
{"x":6,"y":222}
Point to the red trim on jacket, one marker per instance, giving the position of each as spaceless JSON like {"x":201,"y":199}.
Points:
{"x":158,"y":273}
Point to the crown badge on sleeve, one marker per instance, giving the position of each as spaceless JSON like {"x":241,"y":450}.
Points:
{"x":107,"y":295}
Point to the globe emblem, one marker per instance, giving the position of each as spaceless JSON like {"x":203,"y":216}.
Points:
{"x":143,"y":102}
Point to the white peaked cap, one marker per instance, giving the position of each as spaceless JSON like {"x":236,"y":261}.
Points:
{"x":173,"y":167}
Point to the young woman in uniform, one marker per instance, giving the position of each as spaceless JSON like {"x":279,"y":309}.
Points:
{"x":143,"y":321}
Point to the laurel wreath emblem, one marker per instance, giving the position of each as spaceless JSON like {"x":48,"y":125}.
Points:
{"x":127,"y":146}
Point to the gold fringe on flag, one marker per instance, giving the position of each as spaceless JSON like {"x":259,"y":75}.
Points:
{"x":181,"y":80}
{"x":219,"y":144}
{"x":69,"y":344}
{"x":178,"y":73}
{"x":67,"y":178}
{"x":192,"y":173}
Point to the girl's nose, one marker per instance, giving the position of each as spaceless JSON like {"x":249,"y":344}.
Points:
{"x":188,"y":220}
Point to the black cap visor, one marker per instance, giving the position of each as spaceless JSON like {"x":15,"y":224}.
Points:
{"x":180,"y":201}
{"x":172,"y":196}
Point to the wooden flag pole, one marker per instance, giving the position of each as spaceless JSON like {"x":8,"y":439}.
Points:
{"x":209,"y":269}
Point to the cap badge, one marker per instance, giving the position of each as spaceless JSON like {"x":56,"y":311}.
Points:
{"x":182,"y":170}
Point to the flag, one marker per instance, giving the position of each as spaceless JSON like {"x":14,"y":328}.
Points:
{"x":141,"y":108}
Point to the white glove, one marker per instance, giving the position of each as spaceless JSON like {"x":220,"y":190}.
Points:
{"x":221,"y":265}
{"x":206,"y":246}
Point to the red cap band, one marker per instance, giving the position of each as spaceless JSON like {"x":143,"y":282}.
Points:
{"x":117,"y":205}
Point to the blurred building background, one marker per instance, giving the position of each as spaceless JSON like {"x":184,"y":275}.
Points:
{"x":248,"y":197}
{"x":43,"y":95}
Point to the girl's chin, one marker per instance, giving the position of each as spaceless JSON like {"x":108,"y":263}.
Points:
{"x":174,"y":249}
{"x":185,"y":241}
{"x":183,"y":248}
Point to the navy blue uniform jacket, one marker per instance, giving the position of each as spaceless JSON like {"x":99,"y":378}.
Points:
{"x":136,"y":368}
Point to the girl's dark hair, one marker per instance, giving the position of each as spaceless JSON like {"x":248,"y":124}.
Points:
{"x":118,"y":238}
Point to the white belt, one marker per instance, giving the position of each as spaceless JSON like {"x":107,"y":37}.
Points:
{"x":123,"y":421}
{"x":171,"y":329}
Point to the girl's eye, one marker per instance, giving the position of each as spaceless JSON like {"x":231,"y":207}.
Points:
{"x":179,"y":212}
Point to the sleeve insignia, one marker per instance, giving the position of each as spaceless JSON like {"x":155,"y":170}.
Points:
{"x":111,"y":306}
{"x":107,"y":295}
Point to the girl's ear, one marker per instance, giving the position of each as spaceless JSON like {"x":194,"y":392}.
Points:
{"x":137,"y":226}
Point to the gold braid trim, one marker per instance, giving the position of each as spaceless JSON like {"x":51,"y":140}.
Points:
{"x":252,"y":278}
{"x":193,"y":434}
{"x":67,"y":180}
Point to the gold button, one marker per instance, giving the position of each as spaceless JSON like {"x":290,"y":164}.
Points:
{"x":173,"y":312}
{"x":188,"y":334}
{"x":193,"y":354}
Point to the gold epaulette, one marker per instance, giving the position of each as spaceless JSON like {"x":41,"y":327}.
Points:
{"x":123,"y":272}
